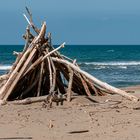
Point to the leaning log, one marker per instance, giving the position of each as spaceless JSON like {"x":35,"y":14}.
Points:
{"x":96,"y":81}
{"x":69,"y":90}
{"x":12,"y":81}
{"x":31,"y":100}
{"x":41,"y":59}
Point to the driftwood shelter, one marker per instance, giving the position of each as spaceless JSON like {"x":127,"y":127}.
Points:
{"x":42,"y":73}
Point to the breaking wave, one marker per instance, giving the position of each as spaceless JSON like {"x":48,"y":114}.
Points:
{"x":130,"y":63}
{"x":5,"y":67}
{"x":110,"y":50}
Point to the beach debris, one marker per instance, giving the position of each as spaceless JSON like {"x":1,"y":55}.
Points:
{"x":16,"y":138}
{"x":79,"y":131}
{"x":136,"y":108}
{"x":51,"y":124}
{"x":42,"y":73}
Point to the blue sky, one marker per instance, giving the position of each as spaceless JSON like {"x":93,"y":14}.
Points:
{"x":74,"y":21}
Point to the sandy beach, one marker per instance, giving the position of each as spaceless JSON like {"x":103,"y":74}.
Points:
{"x":108,"y":117}
{"x":68,"y":70}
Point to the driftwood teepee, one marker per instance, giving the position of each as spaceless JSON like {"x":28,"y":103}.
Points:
{"x":40,"y":71}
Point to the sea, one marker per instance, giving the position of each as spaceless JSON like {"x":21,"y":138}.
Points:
{"x":118,"y":65}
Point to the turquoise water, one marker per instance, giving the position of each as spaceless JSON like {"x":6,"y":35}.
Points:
{"x":116,"y":65}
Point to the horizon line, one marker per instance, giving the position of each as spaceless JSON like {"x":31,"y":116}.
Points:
{"x":78,"y":44}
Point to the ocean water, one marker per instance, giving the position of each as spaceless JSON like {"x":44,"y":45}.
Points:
{"x":115,"y":64}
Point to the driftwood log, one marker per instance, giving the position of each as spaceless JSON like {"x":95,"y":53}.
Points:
{"x":96,"y":81}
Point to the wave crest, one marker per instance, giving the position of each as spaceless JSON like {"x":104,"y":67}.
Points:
{"x":5,"y":67}
{"x":130,"y":63}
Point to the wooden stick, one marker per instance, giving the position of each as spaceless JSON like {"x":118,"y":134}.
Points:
{"x":83,"y":80}
{"x":7,"y":89}
{"x":30,"y":87}
{"x":21,"y":58}
{"x":30,"y":22}
{"x":16,"y":62}
{"x":54,"y":78}
{"x":85,"y":85}
{"x":31,"y":100}
{"x":40,"y":79}
{"x":16,"y":53}
{"x":91,"y":84}
{"x":76,"y":80}
{"x":11,"y":86}
{"x":50,"y":69}
{"x":67,"y":58}
{"x":27,"y":39}
{"x":50,"y":72}
{"x":60,"y":83}
{"x":69,"y":91}
{"x":98,"y":82}
{"x":50,"y":39}
{"x":79,"y":131}
{"x":41,"y":59}
{"x":30,"y":14}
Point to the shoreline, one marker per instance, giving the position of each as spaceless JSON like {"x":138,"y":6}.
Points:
{"x":132,"y":89}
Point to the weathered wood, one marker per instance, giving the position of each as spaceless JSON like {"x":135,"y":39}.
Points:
{"x":32,"y":85}
{"x":50,"y":39}
{"x":67,"y":58}
{"x":4,"y":77}
{"x":31,"y":100}
{"x":86,"y":82}
{"x":85,"y":86}
{"x":95,"y":80}
{"x":59,"y":82}
{"x":20,"y":55}
{"x":52,"y":89}
{"x":16,"y":53}
{"x":30,"y":22}
{"x":91,"y":85}
{"x":78,"y":87}
{"x":69,"y":90}
{"x":27,"y":39}
{"x":11,"y":86}
{"x":41,"y":59}
{"x":50,"y":72}
{"x":40,"y":79}
{"x":7,"y":89}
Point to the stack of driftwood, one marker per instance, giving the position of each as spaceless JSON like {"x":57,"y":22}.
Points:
{"x":41,"y":72}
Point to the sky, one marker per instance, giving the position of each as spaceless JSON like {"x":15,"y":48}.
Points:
{"x":80,"y":22}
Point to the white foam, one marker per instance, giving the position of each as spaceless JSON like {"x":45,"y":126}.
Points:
{"x":100,"y":67}
{"x":129,"y":63}
{"x":5,"y":67}
{"x":122,"y":67}
{"x":110,"y":50}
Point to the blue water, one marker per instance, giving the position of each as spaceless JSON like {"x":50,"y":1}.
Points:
{"x":116,"y":65}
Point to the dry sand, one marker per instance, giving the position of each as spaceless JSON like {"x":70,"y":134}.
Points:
{"x":98,"y":118}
